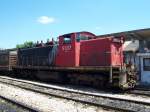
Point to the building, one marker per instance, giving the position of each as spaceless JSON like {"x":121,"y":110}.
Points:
{"x":137,"y":51}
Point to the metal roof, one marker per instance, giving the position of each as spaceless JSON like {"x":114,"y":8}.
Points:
{"x":140,"y":34}
{"x":143,"y":54}
{"x":131,"y":46}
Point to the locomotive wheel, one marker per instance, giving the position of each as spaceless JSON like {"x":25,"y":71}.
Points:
{"x":52,"y":76}
{"x":95,"y":80}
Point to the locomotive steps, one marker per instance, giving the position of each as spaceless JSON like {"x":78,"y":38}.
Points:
{"x":121,"y":102}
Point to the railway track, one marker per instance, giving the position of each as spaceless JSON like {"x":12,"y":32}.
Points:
{"x":106,"y":100}
{"x":138,"y":91}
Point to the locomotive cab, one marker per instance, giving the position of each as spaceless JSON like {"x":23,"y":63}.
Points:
{"x":69,"y":49}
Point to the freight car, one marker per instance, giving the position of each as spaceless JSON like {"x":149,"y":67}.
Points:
{"x":8,"y":59}
{"x":78,"y":58}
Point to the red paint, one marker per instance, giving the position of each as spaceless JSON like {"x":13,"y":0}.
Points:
{"x":90,"y":52}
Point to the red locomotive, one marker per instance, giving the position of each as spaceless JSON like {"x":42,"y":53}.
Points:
{"x":78,"y":58}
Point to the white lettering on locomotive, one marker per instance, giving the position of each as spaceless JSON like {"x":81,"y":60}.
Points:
{"x":66,"y":48}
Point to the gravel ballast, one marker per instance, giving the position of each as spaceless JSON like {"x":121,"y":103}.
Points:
{"x":6,"y":106}
{"x":45,"y":103}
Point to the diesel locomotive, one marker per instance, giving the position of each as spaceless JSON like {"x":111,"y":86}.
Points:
{"x":77,"y":58}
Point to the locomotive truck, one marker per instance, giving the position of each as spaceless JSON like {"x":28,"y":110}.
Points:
{"x":77,"y":58}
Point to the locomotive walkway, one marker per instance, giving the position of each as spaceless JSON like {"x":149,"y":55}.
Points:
{"x":120,"y":102}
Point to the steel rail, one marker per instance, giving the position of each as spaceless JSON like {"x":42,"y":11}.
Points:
{"x":140,"y":92}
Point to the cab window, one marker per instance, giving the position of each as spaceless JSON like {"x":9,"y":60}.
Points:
{"x":67,"y":39}
{"x":81,"y":37}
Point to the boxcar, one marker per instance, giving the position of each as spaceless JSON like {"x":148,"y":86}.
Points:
{"x":8,"y":59}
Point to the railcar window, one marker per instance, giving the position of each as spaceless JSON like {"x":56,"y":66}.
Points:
{"x":146,"y":64}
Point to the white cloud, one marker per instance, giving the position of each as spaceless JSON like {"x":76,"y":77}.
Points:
{"x":46,"y":20}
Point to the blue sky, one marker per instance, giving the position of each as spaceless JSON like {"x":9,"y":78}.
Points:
{"x":24,"y":20}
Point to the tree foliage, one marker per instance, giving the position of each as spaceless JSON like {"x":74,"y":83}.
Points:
{"x":26,"y":44}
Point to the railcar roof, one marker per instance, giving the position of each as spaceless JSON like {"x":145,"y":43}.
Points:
{"x":79,"y":32}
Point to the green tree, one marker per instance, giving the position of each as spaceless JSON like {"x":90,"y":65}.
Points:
{"x":26,"y":44}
